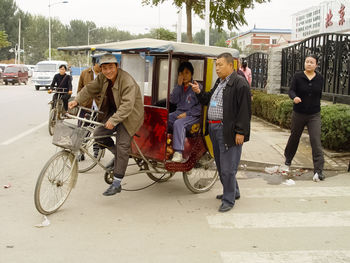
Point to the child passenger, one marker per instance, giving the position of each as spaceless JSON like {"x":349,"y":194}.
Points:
{"x":188,"y":109}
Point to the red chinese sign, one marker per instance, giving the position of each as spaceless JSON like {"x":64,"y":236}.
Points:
{"x":329,"y":19}
{"x":341,"y":15}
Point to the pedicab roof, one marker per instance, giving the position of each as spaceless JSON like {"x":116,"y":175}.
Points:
{"x":155,"y":46}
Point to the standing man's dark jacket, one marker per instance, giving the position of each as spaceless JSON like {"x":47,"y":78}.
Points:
{"x":236,"y":108}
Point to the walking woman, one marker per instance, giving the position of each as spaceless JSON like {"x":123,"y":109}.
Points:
{"x":306,"y":91}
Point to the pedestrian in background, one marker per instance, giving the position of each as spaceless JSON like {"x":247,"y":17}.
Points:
{"x":86,"y":76}
{"x":306,"y":92}
{"x":247,"y":72}
{"x":229,"y":114}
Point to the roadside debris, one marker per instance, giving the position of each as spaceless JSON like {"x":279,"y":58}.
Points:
{"x":46,"y":222}
{"x":289,"y":182}
{"x":7,"y":185}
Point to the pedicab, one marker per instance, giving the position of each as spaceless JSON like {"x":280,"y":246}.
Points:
{"x":153,"y":64}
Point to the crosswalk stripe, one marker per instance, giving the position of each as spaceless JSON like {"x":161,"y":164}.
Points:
{"x":280,"y":220}
{"x":334,"y":256}
{"x":301,"y":192}
{"x":291,"y":192}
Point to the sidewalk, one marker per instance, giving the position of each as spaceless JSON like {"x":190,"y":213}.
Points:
{"x":266,"y":148}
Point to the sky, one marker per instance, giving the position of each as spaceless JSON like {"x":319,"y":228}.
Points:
{"x":130,"y":15}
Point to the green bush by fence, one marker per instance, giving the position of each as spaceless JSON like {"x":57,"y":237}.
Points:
{"x":277,"y":109}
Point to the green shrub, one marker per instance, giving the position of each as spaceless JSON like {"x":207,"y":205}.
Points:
{"x":335,"y":129}
{"x":277,"y":109}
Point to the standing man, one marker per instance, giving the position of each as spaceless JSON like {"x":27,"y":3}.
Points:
{"x":86,"y":76}
{"x":229,"y":114}
{"x":118,"y":96}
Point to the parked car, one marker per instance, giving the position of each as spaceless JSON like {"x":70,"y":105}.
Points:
{"x":15,"y":74}
{"x":30,"y":70}
{"x":44,"y":72}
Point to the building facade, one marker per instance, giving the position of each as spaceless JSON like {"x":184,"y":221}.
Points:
{"x":327,"y":17}
{"x":261,"y":39}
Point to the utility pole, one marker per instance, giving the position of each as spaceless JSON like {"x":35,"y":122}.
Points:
{"x":179,"y":25}
{"x":19,"y":42}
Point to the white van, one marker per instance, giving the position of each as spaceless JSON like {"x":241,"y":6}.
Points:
{"x":44,"y":72}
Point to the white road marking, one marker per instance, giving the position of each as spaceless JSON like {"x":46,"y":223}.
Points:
{"x":19,"y":136}
{"x":291,"y":192}
{"x":334,"y":256}
{"x":280,"y":220}
{"x":295,"y":192}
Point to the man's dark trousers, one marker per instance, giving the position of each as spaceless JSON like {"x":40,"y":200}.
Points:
{"x":227,"y":160}
{"x":121,"y":149}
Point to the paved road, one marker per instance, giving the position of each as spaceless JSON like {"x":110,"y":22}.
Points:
{"x":272,"y":222}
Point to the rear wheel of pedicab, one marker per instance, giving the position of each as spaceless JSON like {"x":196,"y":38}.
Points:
{"x":88,"y":163}
{"x":202,"y":177}
{"x":52,"y":121}
{"x":154,"y":176}
{"x":55,"y":182}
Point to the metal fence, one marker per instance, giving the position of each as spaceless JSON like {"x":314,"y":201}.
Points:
{"x":333,"y":51}
{"x":257,"y":62}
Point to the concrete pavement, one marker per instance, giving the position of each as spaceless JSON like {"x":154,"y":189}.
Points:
{"x":266,"y":148}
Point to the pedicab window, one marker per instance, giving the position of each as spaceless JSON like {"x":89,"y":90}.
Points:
{"x":163,"y":77}
{"x":140,"y":67}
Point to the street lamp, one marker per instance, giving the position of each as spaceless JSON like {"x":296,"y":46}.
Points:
{"x":60,"y":2}
{"x":88,"y":42}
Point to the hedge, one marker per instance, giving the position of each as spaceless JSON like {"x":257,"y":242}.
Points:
{"x":277,"y":109}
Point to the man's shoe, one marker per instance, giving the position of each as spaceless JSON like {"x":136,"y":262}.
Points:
{"x":225,"y":207}
{"x":288,"y":162}
{"x":81,"y":157}
{"x":220,"y":197}
{"x":112,"y":190}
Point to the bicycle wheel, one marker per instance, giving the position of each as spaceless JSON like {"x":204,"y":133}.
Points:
{"x":52,"y":121}
{"x":88,"y":163}
{"x":55,"y":182}
{"x":155,"y":177}
{"x":202,"y":177}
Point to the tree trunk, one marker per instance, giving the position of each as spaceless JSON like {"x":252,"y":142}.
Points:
{"x":189,"y":20}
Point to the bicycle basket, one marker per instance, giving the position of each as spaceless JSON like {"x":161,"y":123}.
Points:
{"x":68,"y":136}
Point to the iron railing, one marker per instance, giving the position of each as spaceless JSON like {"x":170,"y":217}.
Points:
{"x":333,"y":52}
{"x":257,"y":62}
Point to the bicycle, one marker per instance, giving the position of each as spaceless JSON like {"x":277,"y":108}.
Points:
{"x":60,"y":173}
{"x":57,"y":109}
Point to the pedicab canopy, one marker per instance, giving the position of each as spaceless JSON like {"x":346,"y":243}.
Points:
{"x":149,"y":45}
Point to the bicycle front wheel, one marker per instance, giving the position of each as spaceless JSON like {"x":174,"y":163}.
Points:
{"x":55,"y":182}
{"x":52,"y":121}
{"x":86,"y":163}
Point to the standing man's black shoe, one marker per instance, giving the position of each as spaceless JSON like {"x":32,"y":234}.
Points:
{"x":220,"y":197}
{"x":112,"y":190}
{"x":288,"y":162}
{"x":225,"y":207}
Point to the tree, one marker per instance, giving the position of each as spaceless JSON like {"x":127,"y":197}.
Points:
{"x":162,"y":33}
{"x":221,"y":11}
{"x":3,"y":39}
